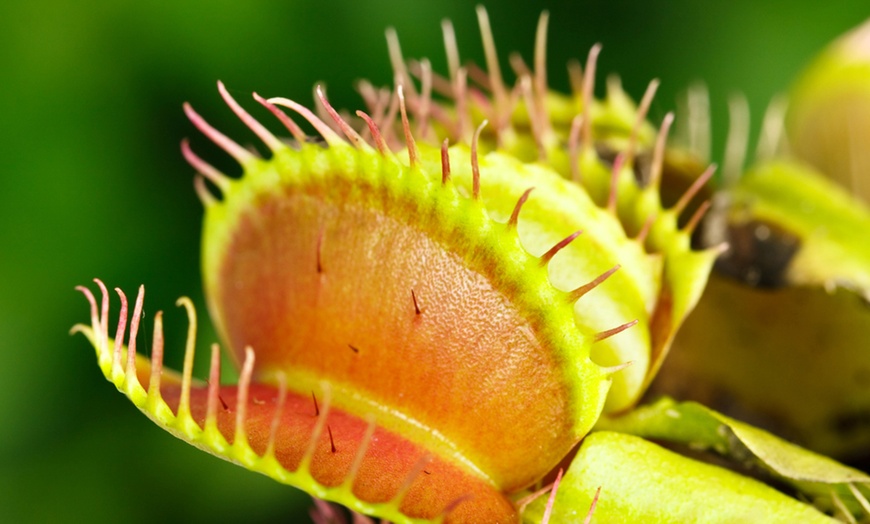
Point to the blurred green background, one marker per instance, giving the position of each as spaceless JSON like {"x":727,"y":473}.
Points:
{"x":92,"y":184}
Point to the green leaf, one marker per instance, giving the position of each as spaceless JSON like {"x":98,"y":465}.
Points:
{"x":643,"y":482}
{"x":828,"y":483}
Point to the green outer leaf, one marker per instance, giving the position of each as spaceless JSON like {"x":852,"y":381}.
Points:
{"x":828,"y":116}
{"x":642,"y":482}
{"x":700,"y":427}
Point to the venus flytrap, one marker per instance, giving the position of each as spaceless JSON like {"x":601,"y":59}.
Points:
{"x":782,"y":332}
{"x":828,"y":118}
{"x":431,"y":307}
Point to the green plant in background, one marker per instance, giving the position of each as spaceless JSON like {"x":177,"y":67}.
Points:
{"x":438,"y":404}
{"x":828,"y":109}
{"x":780,"y":337}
